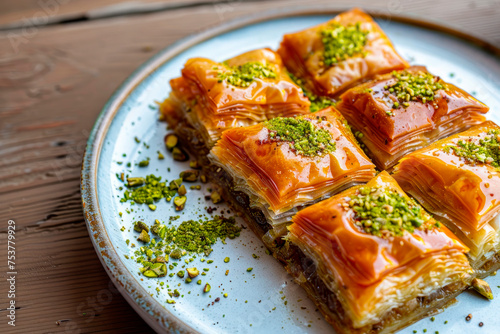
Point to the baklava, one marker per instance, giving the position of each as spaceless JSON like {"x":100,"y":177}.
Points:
{"x":211,"y":97}
{"x":458,"y":180}
{"x":338,"y":54}
{"x":373,"y":260}
{"x":402,"y":111}
{"x":284,"y":164}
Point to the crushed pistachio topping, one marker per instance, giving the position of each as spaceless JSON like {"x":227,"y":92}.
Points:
{"x":150,"y":190}
{"x":386,"y":213}
{"x":190,"y":237}
{"x":146,"y":190}
{"x":341,"y":42}
{"x":317,"y":102}
{"x":244,"y":75}
{"x":303,"y":136}
{"x":486,"y":150}
{"x":194,"y":236}
{"x":420,"y":86}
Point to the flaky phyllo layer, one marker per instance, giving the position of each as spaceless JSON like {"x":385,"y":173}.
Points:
{"x":285,"y":164}
{"x":403,"y":111}
{"x":245,"y":90}
{"x":458,"y":179}
{"x":337,"y":54}
{"x":378,"y":256}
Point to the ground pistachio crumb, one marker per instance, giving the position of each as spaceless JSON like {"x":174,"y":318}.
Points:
{"x":385,"y":212}
{"x":176,"y":242}
{"x":341,"y":42}
{"x":317,"y":102}
{"x":486,"y":150}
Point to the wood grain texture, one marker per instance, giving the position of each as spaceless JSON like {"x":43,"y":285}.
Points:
{"x":42,"y":12}
{"x":53,"y":83}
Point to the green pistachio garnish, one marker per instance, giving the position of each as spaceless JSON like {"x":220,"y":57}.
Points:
{"x":179,"y":202}
{"x":144,"y":236}
{"x":159,"y":229}
{"x":150,"y":274}
{"x":139,"y":226}
{"x":486,"y":150}
{"x":171,"y":141}
{"x":342,"y":42}
{"x":135,"y":181}
{"x":160,"y":269}
{"x":420,"y":86}
{"x":189,"y":175}
{"x":194,"y":164}
{"x":386,"y":213}
{"x":179,"y":154}
{"x":317,"y":102}
{"x":206,"y":288}
{"x":152,"y":191}
{"x":177,"y":241}
{"x":244,"y":75}
{"x":303,"y":136}
{"x":175,"y":184}
{"x":192,"y":272}
{"x":215,"y":197}
{"x":176,"y":254}
{"x":182,"y":190}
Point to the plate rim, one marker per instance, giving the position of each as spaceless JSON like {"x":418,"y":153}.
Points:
{"x":153,"y":313}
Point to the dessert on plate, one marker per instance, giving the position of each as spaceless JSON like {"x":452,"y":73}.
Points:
{"x":340,"y":53}
{"x":373,"y":260}
{"x":457,"y":179}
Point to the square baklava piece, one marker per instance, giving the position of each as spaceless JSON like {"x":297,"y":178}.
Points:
{"x":338,"y":54}
{"x":373,"y":260}
{"x":403,"y":111}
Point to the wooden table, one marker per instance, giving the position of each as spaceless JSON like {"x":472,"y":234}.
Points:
{"x":60,"y":60}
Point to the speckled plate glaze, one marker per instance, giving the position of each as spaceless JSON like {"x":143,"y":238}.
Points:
{"x":265,"y":300}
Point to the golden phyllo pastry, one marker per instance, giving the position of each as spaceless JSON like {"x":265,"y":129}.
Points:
{"x":286,"y":163}
{"x":373,"y":260}
{"x":402,"y":111}
{"x":458,"y":180}
{"x":211,"y":97}
{"x":337,"y":54}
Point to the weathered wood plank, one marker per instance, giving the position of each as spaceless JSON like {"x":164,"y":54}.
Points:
{"x":61,"y":286}
{"x":42,"y":12}
{"x":477,"y":17}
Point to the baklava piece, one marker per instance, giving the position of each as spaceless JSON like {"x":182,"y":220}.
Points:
{"x":373,"y":260}
{"x":340,"y":53}
{"x":458,"y":180}
{"x":403,"y":111}
{"x":211,"y":97}
{"x":284,"y":164}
